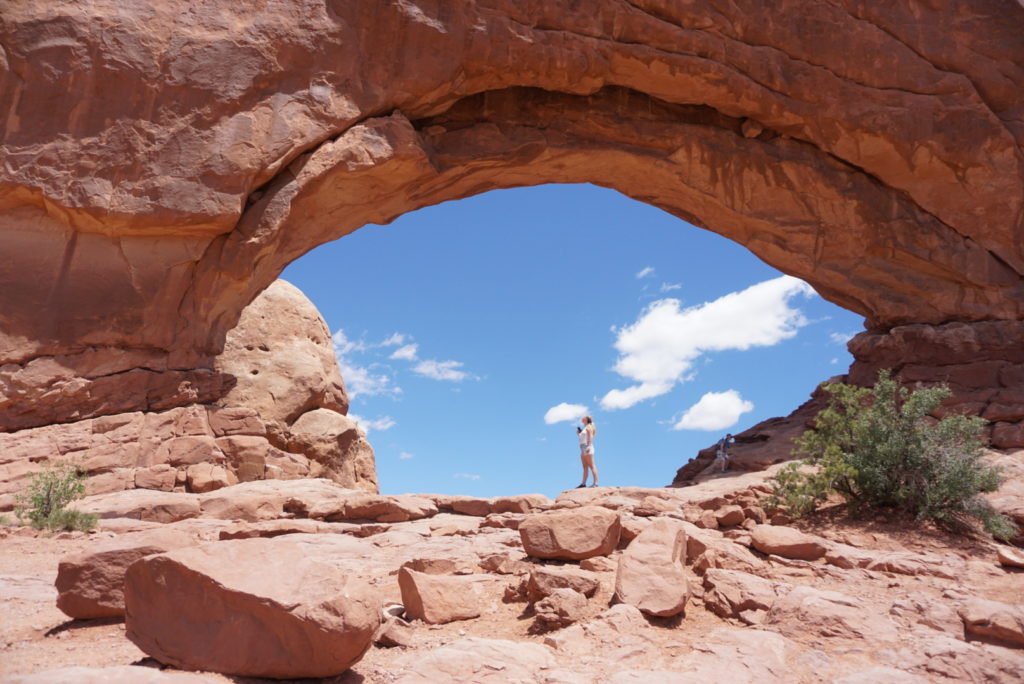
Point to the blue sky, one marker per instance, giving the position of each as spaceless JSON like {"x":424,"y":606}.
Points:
{"x":466,"y":329}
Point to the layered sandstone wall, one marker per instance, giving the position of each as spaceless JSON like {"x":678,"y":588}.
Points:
{"x":282,"y":418}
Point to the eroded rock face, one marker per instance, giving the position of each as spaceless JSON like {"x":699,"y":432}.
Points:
{"x":291,"y":606}
{"x":91,"y":585}
{"x":282,"y":419}
{"x":891,"y":184}
{"x":282,"y":359}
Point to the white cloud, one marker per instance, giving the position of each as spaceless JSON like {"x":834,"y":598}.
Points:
{"x":660,"y":348}
{"x":564,"y":413}
{"x":365,"y":381}
{"x":834,"y":361}
{"x":368,"y":424}
{"x":466,"y":476}
{"x":406,"y":353}
{"x":645,"y":271}
{"x":841,"y":338}
{"x":343,"y":345}
{"x":441,"y":370}
{"x":715,"y":411}
{"x":668,"y":287}
{"x":405,"y":456}
{"x":360,"y":380}
{"x":394,"y":340}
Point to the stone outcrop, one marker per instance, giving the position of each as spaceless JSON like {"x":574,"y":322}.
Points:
{"x":787,"y":542}
{"x":161,"y":167}
{"x":651,"y":573}
{"x":282,"y":419}
{"x":252,"y":607}
{"x":1001,"y":623}
{"x":91,"y":585}
{"x":572,"y":534}
{"x":437,"y":599}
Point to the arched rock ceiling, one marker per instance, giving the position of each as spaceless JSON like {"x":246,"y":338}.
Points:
{"x":163,"y":161}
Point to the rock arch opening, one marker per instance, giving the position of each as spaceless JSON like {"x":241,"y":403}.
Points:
{"x":143,"y":210}
{"x":463,"y":324}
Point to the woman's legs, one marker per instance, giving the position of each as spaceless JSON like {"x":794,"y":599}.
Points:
{"x":588,"y":462}
{"x":583,"y":460}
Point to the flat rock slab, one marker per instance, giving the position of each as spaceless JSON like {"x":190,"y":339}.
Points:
{"x":142,"y":504}
{"x":125,"y":674}
{"x":992,"y":621}
{"x":741,"y":655}
{"x":481,"y":661}
{"x":91,"y":584}
{"x":806,"y":610}
{"x":787,"y":542}
{"x":571,"y":534}
{"x":275,"y":608}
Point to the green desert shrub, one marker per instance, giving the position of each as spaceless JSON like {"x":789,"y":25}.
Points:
{"x":44,"y":502}
{"x":880,"y":447}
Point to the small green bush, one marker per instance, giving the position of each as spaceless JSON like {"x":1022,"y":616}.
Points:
{"x":44,"y":502}
{"x":880,"y":447}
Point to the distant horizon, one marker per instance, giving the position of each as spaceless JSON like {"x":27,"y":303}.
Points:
{"x":473,"y":334}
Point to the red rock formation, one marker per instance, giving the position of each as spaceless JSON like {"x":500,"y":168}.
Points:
{"x":162,"y":167}
{"x":280,"y":365}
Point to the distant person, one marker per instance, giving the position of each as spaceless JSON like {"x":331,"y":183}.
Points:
{"x":721,"y":463}
{"x":586,"y":436}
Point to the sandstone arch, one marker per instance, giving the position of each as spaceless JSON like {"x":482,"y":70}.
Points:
{"x":161,"y":167}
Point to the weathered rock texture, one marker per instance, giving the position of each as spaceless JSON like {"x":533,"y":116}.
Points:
{"x":162,"y":167}
{"x":285,"y":383}
{"x":252,"y":607}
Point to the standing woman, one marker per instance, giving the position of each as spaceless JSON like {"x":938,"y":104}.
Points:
{"x":586,"y":436}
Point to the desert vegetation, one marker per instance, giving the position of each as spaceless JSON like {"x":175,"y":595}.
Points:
{"x":44,"y":502}
{"x":882,"y":447}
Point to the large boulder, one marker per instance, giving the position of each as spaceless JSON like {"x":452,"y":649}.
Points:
{"x":545,"y":580}
{"x":91,"y":584}
{"x":571,"y":534}
{"x":275,"y":608}
{"x":282,"y":358}
{"x":787,"y":542}
{"x":437,"y":599}
{"x":560,"y":608}
{"x":735,"y":594}
{"x":336,"y":443}
{"x":651,"y":573}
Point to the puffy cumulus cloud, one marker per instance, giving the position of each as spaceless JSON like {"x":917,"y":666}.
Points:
{"x":450,"y":371}
{"x":660,"y":348}
{"x":406,"y":353}
{"x":644,"y":272}
{"x":369,"y":424}
{"x":564,"y":413}
{"x":715,"y":411}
